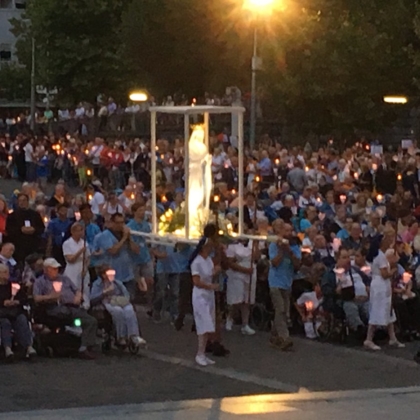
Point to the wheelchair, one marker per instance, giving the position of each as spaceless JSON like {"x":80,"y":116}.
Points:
{"x":107,"y":333}
{"x":56,"y":340}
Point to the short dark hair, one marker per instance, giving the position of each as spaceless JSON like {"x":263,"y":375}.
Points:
{"x":61,"y":205}
{"x":137,"y":205}
{"x":115,"y":215}
{"x":85,"y":206}
{"x":23,"y":195}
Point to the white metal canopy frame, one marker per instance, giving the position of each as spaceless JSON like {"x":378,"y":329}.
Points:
{"x":188,"y":111}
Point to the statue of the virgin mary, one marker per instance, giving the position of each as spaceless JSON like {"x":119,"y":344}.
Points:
{"x":199,"y":182}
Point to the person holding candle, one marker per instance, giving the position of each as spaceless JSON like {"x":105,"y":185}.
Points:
{"x":61,"y":300}
{"x":12,"y":316}
{"x":24,"y":228}
{"x":113,"y":295}
{"x":381,"y":312}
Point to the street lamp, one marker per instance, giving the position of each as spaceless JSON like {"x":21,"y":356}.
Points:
{"x":257,"y":7}
{"x":395,"y":99}
{"x":139,"y":96}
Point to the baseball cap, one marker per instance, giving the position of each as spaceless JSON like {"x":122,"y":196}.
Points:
{"x":51,"y":262}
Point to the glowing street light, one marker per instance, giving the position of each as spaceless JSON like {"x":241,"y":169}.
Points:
{"x":260,"y":5}
{"x":401,"y":100}
{"x":139,"y":96}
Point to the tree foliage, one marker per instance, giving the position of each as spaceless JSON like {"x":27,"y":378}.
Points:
{"x":327,"y":63}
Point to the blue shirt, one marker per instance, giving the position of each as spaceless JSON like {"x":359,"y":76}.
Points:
{"x":58,"y":229}
{"x":42,"y":169}
{"x":144,"y":256}
{"x":167,"y":264}
{"x":91,"y":230}
{"x":121,"y":262}
{"x":342,"y":234}
{"x":182,"y":259}
{"x":282,"y":276}
{"x":265,"y":167}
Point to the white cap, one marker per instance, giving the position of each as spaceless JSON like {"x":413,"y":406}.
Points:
{"x":51,"y":262}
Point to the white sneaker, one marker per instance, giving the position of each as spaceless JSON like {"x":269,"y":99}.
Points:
{"x":370,"y":345}
{"x":229,"y":324}
{"x":396,"y":344}
{"x":8,"y":353}
{"x":31,"y":352}
{"x":247,"y":330}
{"x":138,"y":341}
{"x":201,"y":360}
{"x":209,"y":361}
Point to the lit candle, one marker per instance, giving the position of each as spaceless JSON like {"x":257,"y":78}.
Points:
{"x":306,"y":168}
{"x":164,"y":199}
{"x":77,"y":215}
{"x":277,"y":161}
{"x":216,"y":199}
{"x":90,"y":197}
{"x":110,"y":274}
{"x":379,"y":198}
{"x":88,"y":172}
{"x":233,"y":191}
{"x":343,"y":198}
{"x":10,"y":211}
{"x":15,"y":289}
{"x":374,"y":167}
{"x":46,"y":220}
{"x":356,"y":175}
{"x":10,"y":158}
{"x":399,"y":177}
{"x":86,"y":152}
{"x":309,"y":306}
{"x":57,"y":286}
{"x":366,"y":269}
{"x":367,"y":147}
{"x":132,"y":196}
{"x":257,"y":179}
{"x":406,"y":277}
{"x":220,"y":232}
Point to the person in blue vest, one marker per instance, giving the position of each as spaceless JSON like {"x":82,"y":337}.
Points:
{"x":143,"y":262}
{"x":116,"y":246}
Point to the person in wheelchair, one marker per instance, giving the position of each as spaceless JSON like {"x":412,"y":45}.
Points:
{"x":13,"y":317}
{"x":348,"y":287}
{"x":60,"y":299}
{"x":113,"y":295}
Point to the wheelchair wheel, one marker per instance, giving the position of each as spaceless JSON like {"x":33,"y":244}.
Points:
{"x":133,"y":348}
{"x":327,"y":328}
{"x":259,"y":317}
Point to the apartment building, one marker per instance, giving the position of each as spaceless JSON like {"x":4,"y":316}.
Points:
{"x":9,"y":9}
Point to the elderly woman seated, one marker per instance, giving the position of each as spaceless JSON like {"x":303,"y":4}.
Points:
{"x":12,"y":316}
{"x":113,"y":295}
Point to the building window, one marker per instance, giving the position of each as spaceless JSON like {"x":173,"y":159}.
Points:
{"x":5,"y":53}
{"x":20,"y":4}
{"x":6,"y":4}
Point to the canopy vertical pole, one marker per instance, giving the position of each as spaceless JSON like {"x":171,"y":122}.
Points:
{"x":186,"y":173}
{"x":153,"y":161}
{"x":240,"y":170}
{"x":206,"y":129}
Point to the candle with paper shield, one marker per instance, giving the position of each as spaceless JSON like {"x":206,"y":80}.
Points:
{"x":110,"y":275}
{"x":57,"y":285}
{"x":339,"y":272}
{"x":15,"y":289}
{"x":406,"y":277}
{"x":309,"y":306}
{"x":77,"y":215}
{"x":366,"y":269}
{"x":343,"y":198}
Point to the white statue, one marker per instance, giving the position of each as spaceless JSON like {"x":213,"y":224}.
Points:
{"x":199,"y":182}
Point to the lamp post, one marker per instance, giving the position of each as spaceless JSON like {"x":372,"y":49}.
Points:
{"x":33,"y":86}
{"x":137,"y":96}
{"x":258,"y":7}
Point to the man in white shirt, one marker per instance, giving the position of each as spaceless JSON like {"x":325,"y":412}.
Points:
{"x":95,"y":155}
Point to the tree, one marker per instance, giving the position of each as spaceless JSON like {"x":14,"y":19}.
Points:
{"x":77,"y":46}
{"x":14,"y":82}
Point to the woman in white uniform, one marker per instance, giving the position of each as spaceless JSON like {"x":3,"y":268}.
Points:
{"x":241,"y":284}
{"x":74,"y":251}
{"x":202,"y":272}
{"x":381,"y":312}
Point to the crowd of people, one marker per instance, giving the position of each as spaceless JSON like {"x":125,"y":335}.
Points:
{"x":332,"y":235}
